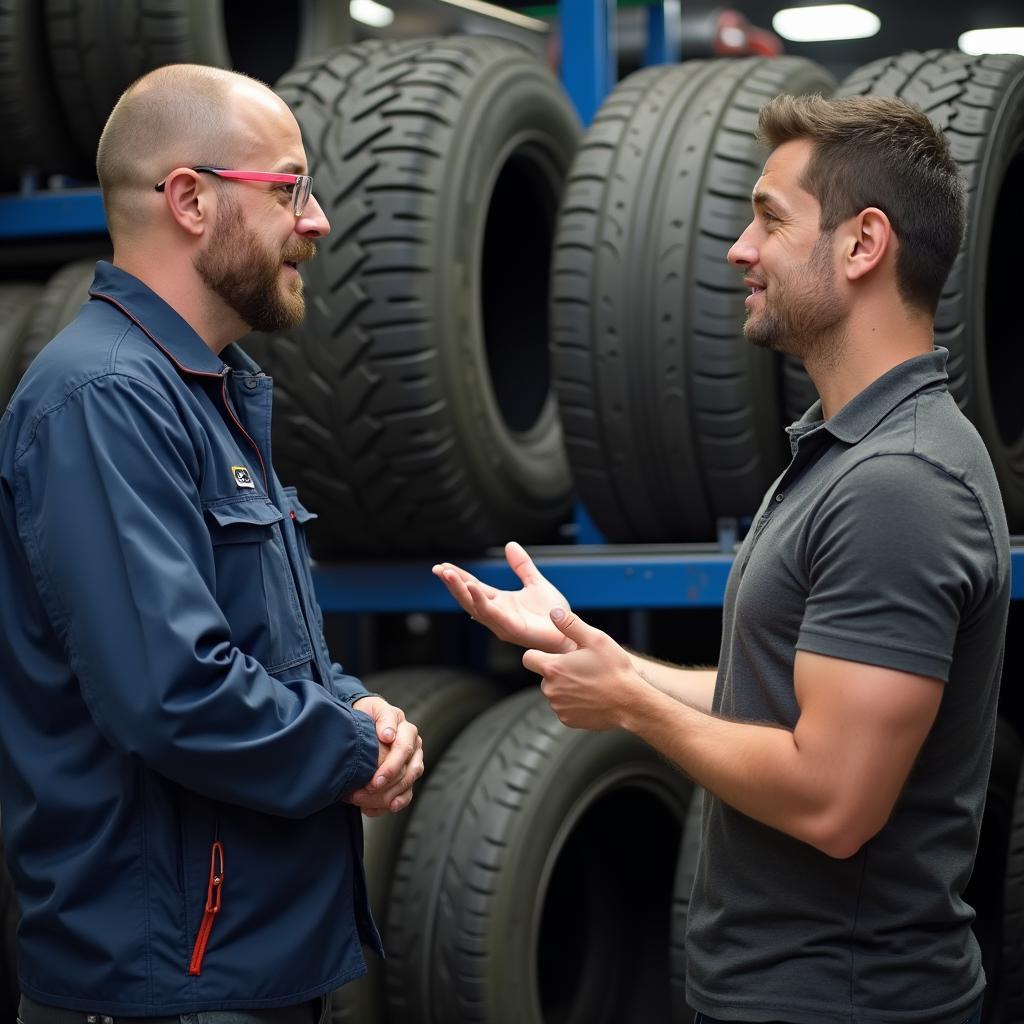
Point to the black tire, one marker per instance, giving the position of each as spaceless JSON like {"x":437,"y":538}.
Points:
{"x":671,"y":419}
{"x":413,"y":406}
{"x":509,"y":903}
{"x":99,"y":47}
{"x":441,"y":702}
{"x":17,"y":303}
{"x":36,"y":137}
{"x":986,"y":891}
{"x":979,"y":103}
{"x":60,"y":301}
{"x":1012,"y":968}
{"x":682,"y":889}
{"x":9,"y":915}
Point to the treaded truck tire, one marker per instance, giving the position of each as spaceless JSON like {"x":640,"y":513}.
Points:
{"x":534,"y":880}
{"x":36,"y":136}
{"x":671,"y":418}
{"x":99,"y":47}
{"x":979,"y":103}
{"x":413,"y":406}
{"x":17,"y":304}
{"x":441,"y":702}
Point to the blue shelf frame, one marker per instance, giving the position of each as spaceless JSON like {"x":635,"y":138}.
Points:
{"x":662,"y":576}
{"x":67,"y":211}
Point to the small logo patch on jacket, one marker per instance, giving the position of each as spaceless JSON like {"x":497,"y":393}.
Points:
{"x":242,"y":477}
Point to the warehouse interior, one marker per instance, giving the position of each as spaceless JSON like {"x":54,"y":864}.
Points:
{"x":482,"y":375}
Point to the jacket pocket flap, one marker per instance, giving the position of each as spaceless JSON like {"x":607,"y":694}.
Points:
{"x":302,"y":514}
{"x":238,"y":521}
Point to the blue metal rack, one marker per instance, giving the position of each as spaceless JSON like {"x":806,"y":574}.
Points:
{"x":655,"y":576}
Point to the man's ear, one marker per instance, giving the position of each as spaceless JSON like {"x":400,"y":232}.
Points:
{"x":186,"y":200}
{"x":870,"y":237}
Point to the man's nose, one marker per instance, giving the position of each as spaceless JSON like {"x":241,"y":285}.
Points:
{"x":743,"y":252}
{"x":313,"y":222}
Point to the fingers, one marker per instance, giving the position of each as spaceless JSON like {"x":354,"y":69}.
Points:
{"x":580,"y":632}
{"x":374,"y":801}
{"x":468,"y":591}
{"x":521,"y":563}
{"x":537,"y":662}
{"x":398,"y":755}
{"x":386,"y":717}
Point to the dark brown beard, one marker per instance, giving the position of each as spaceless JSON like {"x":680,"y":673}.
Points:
{"x":805,"y":314}
{"x":238,"y":268}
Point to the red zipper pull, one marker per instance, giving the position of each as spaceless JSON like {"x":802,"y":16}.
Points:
{"x":213,"y":896}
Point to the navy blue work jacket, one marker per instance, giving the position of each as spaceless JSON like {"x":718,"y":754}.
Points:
{"x":175,"y":740}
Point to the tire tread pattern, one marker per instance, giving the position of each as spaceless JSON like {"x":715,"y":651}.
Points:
{"x":671,"y":419}
{"x":367,"y":422}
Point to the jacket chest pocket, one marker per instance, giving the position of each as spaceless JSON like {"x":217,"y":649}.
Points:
{"x":254,"y":583}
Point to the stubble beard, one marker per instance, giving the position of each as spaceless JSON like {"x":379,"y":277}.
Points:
{"x":246,"y":275}
{"x":805,"y":315}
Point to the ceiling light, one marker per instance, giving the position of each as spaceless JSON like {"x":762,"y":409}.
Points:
{"x":828,"y":21}
{"x":369,"y":12}
{"x":993,"y":40}
{"x":494,"y":11}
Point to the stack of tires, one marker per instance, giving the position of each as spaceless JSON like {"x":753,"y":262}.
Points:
{"x":63,"y":63}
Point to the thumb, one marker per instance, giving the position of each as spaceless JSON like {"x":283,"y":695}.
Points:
{"x":386,"y":719}
{"x":573,"y":627}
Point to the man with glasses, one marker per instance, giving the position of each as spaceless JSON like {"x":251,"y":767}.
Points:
{"x":184,"y":767}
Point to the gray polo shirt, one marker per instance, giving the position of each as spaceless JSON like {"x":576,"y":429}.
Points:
{"x":883,"y":542}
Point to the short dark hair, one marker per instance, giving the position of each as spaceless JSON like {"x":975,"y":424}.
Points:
{"x":882,"y":152}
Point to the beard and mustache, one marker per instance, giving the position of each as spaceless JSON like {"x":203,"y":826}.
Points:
{"x":805,"y":314}
{"x":239,"y":268}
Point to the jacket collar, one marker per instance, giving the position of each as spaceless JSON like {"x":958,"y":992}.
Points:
{"x":864,"y":411}
{"x":164,"y":326}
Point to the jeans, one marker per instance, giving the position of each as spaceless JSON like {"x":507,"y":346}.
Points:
{"x":974,"y":1017}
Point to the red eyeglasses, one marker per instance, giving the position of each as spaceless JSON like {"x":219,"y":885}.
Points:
{"x":301,"y":184}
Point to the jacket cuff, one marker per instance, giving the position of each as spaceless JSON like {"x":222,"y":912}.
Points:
{"x":364,"y":762}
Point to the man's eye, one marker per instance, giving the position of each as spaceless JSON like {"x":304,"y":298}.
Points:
{"x":287,"y":188}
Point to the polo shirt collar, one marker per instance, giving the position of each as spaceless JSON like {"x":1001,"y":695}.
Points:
{"x":864,"y":411}
{"x":164,"y":325}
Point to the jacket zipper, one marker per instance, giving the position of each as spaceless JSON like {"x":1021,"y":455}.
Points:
{"x":213,"y":898}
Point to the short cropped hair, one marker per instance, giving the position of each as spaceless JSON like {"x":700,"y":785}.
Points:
{"x":881,"y":152}
{"x":176,"y":116}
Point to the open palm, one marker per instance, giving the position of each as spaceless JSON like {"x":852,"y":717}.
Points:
{"x":518,"y":616}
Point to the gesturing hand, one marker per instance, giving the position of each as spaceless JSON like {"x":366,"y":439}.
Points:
{"x":517,"y":616}
{"x":593,"y":685}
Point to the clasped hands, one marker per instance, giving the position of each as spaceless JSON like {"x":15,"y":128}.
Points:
{"x":588,"y":679}
{"x":399,"y":760}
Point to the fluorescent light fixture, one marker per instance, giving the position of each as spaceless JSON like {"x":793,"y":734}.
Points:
{"x":827,"y":21}
{"x":369,"y":12}
{"x":501,"y":13}
{"x":993,"y":40}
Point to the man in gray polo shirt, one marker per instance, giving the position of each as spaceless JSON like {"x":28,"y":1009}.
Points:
{"x":846,"y":736}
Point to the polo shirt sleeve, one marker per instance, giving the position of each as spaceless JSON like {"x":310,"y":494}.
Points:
{"x":898,"y":555}
{"x":109,"y":514}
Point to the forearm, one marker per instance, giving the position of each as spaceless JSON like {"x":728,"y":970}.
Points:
{"x":693,"y":686}
{"x":757,"y":769}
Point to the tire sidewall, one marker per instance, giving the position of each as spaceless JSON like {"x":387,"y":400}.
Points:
{"x":517,"y":112}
